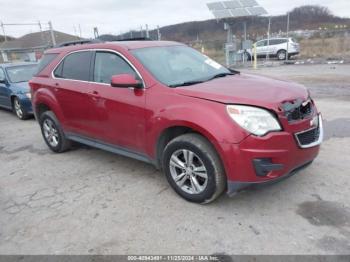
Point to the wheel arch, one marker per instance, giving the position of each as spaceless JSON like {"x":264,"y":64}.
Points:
{"x":281,"y":49}
{"x":171,"y":132}
{"x":12,"y":99}
{"x":45,"y":101}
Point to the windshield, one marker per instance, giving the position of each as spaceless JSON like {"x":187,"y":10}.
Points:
{"x":178,"y":65}
{"x":19,"y":74}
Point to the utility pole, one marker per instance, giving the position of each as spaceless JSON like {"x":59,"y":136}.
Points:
{"x":158,"y":33}
{"x":3,"y":31}
{"x":268,"y":39}
{"x":288,"y":21}
{"x":41,"y":32}
{"x":147,"y":32}
{"x":80,"y":35}
{"x":75,"y":31}
{"x":52,"y":34}
{"x":96,"y":35}
{"x":245,"y":30}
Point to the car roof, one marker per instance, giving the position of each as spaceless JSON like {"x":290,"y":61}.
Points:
{"x":128,"y":45}
{"x":274,"y":38}
{"x":7,"y":65}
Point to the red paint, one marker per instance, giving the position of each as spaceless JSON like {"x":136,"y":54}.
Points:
{"x":136,"y":118}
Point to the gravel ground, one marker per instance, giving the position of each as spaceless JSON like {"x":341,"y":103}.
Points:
{"x":87,"y":201}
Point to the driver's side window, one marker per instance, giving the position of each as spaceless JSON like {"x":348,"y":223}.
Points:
{"x":108,"y":64}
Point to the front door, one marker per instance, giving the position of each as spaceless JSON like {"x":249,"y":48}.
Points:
{"x":119,"y":112}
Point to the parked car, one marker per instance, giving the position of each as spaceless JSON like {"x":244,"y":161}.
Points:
{"x":210,"y":129}
{"x":275,"y":47}
{"x":14,"y":89}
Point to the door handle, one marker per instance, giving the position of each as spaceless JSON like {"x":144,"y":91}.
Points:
{"x":57,"y":85}
{"x":94,"y":94}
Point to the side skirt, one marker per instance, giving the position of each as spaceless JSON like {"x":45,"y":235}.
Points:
{"x":110,"y":148}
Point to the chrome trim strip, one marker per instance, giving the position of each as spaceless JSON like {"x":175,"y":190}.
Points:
{"x":96,"y":50}
{"x":320,"y":138}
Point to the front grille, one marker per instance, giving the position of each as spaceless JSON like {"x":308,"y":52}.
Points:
{"x":297,"y":110}
{"x":308,"y":137}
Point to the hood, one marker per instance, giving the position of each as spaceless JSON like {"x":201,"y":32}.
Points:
{"x":247,"y":90}
{"x":22,"y":87}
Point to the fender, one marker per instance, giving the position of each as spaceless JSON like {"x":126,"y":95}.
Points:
{"x":194,"y":115}
{"x":45,"y":96}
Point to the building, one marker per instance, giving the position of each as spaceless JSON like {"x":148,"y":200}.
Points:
{"x":31,"y":46}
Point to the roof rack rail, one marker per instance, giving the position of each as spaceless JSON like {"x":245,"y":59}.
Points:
{"x":135,"y":39}
{"x":78,"y":42}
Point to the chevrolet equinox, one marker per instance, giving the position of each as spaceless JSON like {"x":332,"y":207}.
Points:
{"x":209,"y":128}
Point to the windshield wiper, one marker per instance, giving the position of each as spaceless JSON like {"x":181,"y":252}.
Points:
{"x":188,"y":83}
{"x":220,"y":75}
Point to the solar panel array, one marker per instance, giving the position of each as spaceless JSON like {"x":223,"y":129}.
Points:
{"x":236,"y":8}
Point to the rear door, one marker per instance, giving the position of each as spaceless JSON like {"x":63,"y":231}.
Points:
{"x":72,"y":89}
{"x":273,"y":46}
{"x":119,"y":112}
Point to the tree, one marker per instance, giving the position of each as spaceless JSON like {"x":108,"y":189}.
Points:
{"x":311,"y":13}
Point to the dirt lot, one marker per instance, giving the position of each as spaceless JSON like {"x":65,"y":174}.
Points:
{"x":88,"y":201}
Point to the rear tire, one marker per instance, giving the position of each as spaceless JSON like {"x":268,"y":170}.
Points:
{"x":194,"y":169}
{"x":282,"y":55}
{"x":18,"y":109}
{"x":53,"y":133}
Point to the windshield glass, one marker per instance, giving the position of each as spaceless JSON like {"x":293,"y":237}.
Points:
{"x":19,"y":74}
{"x":177,"y":65}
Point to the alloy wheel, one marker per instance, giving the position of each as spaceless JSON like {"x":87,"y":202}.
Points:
{"x":282,"y":55}
{"x":50,"y":132}
{"x":188,"y":171}
{"x":18,"y":108}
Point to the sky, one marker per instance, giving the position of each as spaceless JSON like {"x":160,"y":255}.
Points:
{"x":116,"y":16}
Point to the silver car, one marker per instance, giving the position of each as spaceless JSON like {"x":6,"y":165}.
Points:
{"x":274,"y":47}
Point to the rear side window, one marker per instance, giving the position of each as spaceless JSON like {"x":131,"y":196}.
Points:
{"x":274,"y":42}
{"x":75,"y":66}
{"x":109,"y":64}
{"x":44,"y":62}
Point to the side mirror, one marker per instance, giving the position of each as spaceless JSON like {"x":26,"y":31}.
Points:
{"x":125,"y":81}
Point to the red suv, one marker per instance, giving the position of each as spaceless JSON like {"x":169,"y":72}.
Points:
{"x":207,"y":127}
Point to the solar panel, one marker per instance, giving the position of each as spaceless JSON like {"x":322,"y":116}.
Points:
{"x":248,"y":3}
{"x":236,"y":8}
{"x":215,"y":6}
{"x":239,"y":12}
{"x":219,"y":14}
{"x":232,"y":4}
{"x":257,"y":10}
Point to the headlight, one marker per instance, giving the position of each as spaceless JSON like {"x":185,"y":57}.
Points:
{"x":29,"y":95}
{"x":253,"y":119}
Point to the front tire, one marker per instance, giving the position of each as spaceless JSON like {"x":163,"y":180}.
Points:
{"x":18,"y":109}
{"x":193,"y":169}
{"x":53,"y":134}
